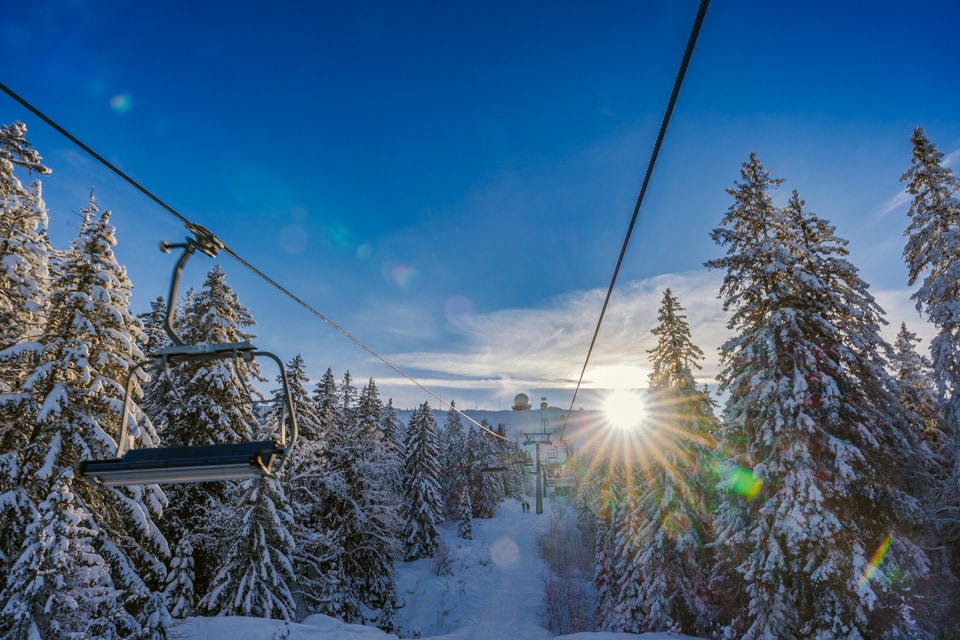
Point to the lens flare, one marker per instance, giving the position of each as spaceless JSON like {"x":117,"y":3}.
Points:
{"x":459,"y":311}
{"x":875,"y":561}
{"x":293,"y":238}
{"x":121,"y":103}
{"x":504,"y":552}
{"x":407,"y":278}
{"x":743,"y":483}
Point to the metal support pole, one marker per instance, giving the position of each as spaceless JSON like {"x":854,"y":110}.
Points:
{"x":539,"y":483}
{"x":537,"y":439}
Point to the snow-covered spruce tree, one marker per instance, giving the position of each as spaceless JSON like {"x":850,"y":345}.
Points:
{"x":312,"y":545}
{"x":453,"y":462}
{"x":90,"y":559}
{"x":355,"y":508}
{"x":465,"y":515}
{"x":813,"y":418}
{"x":24,"y":253}
{"x":928,"y":478}
{"x":392,"y":429}
{"x":256,"y":578}
{"x":422,"y":508}
{"x":932,"y":253}
{"x":212,"y":407}
{"x":486,"y":489}
{"x":375,"y":546}
{"x":669,"y":528}
{"x":24,"y":248}
{"x":178,"y":592}
{"x":608,"y":480}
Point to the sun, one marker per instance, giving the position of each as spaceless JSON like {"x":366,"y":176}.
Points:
{"x":625,"y":409}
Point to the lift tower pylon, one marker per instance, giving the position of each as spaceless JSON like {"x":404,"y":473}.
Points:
{"x":537,"y":438}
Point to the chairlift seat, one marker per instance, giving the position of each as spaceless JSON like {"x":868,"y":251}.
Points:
{"x":203,"y":463}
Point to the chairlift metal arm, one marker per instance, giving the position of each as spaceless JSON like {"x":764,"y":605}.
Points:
{"x":209,"y":245}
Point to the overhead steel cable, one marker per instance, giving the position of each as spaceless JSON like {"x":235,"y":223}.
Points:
{"x":191,"y":226}
{"x":671,"y":103}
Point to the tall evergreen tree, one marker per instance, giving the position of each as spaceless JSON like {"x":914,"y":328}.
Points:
{"x":454,"y":468}
{"x":465,"y":515}
{"x":211,"y":404}
{"x":421,"y":487}
{"x":24,"y":247}
{"x":24,"y":283}
{"x":314,"y":546}
{"x":356,"y":509}
{"x":392,"y":429}
{"x":929,"y":479}
{"x":486,"y":489}
{"x":89,"y":559}
{"x":607,"y":481}
{"x":256,"y":578}
{"x":813,"y":417}
{"x":668,"y":529}
{"x":932,"y":253}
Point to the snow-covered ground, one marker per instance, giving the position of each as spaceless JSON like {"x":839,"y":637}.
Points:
{"x":494,"y":593}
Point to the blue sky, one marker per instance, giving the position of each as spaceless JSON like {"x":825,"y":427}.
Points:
{"x":451,"y":182}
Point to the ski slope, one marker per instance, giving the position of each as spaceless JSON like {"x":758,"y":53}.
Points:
{"x":495,"y":592}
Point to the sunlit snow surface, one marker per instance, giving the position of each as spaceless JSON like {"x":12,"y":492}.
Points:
{"x":494,"y":593}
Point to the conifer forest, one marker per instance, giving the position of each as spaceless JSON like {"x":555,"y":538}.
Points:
{"x":811,"y":491}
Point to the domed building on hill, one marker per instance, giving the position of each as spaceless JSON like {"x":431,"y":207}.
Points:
{"x":521,"y":402}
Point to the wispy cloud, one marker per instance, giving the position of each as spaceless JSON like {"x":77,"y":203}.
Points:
{"x":895,"y":203}
{"x":545,"y":348}
{"x":542,"y":350}
{"x":899,"y":200}
{"x":950,"y":160}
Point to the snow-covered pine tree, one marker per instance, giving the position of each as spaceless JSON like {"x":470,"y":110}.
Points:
{"x":929,"y":479}
{"x":347,"y":394}
{"x":99,"y":548}
{"x":212,"y":407}
{"x":486,"y":489}
{"x":326,"y":405}
{"x":918,"y":395}
{"x":355,"y":507}
{"x":608,"y":480}
{"x":179,"y":594}
{"x":256,"y":578}
{"x":313,"y":546}
{"x":375,"y":547}
{"x":932,"y":254}
{"x":422,"y":508}
{"x":24,"y":253}
{"x":63,"y":586}
{"x":24,"y":248}
{"x":669,"y":528}
{"x":392,"y":429}
{"x":465,"y":514}
{"x":454,"y":469}
{"x":813,"y":418}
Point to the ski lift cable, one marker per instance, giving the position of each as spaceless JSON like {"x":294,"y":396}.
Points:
{"x":678,"y":82}
{"x":191,"y":226}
